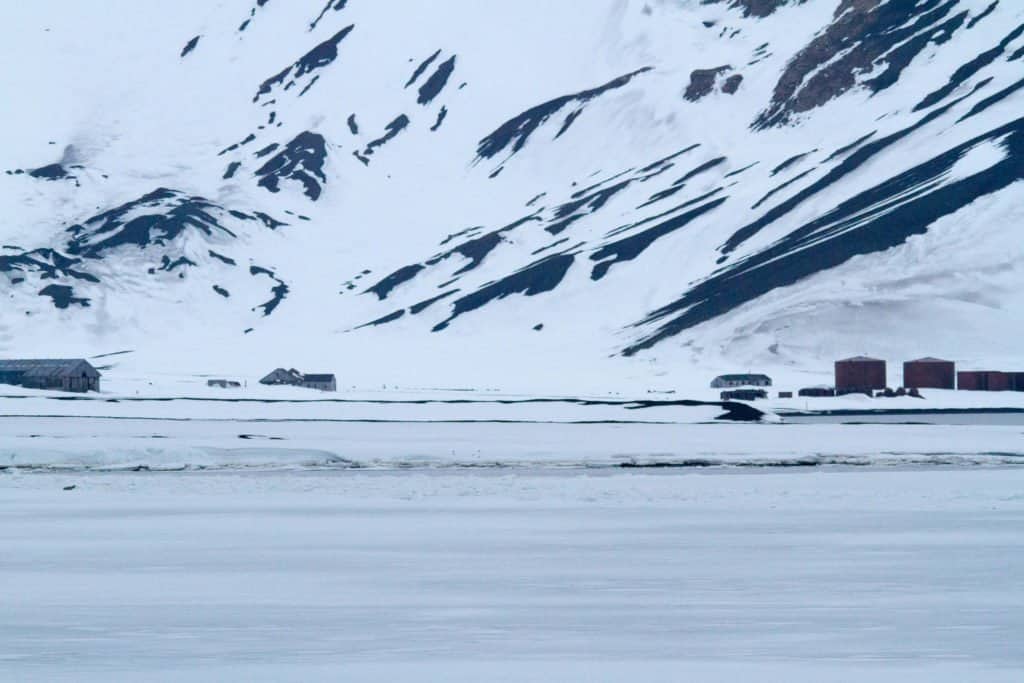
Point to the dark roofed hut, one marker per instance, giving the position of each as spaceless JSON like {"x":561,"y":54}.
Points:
{"x":820,"y":391}
{"x":741,"y":380}
{"x":60,"y":374}
{"x":280,"y":376}
{"x":292,"y":377}
{"x":223,"y":383}
{"x":743,"y":394}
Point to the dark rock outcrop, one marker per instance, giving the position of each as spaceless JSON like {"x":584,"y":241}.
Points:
{"x":301,"y":160}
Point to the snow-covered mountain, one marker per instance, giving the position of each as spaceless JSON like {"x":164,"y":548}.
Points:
{"x":518,"y":194}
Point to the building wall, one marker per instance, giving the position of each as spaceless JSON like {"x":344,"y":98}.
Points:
{"x":743,"y":394}
{"x":14,"y":377}
{"x":80,"y":384}
{"x":816,"y":391}
{"x":72,"y":376}
{"x":322,"y":386}
{"x":747,"y":381}
{"x":930,"y":375}
{"x":859,"y":375}
{"x":970,"y":381}
{"x":63,"y":383}
{"x":983,"y":380}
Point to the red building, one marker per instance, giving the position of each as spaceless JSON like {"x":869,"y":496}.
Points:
{"x":983,"y":380}
{"x":859,"y":374}
{"x":929,"y":373}
{"x":1016,"y":381}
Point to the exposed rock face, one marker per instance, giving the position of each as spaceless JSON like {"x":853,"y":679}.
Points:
{"x":702,"y":82}
{"x":864,"y":35}
{"x":317,"y":58}
{"x":760,"y":8}
{"x":301,"y":160}
{"x":732,"y":84}
{"x":156,"y":218}
{"x":515,"y":132}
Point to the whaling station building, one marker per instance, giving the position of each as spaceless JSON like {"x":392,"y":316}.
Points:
{"x":859,"y":375}
{"x":867,"y":375}
{"x":744,"y":380}
{"x":294,"y":378}
{"x":990,"y":380}
{"x":61,"y":374}
{"x":929,"y":373}
{"x":742,"y":387}
{"x":746,"y":394}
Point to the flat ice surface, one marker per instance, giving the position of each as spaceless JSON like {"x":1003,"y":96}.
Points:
{"x":91,"y":443}
{"x":826,"y":574}
{"x":61,"y":431}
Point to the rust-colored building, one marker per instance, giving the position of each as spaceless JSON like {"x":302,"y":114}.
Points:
{"x":929,"y":373}
{"x":1016,"y":381}
{"x":983,"y":380}
{"x":859,"y":375}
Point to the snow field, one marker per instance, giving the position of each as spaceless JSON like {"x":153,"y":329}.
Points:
{"x":834,"y":576}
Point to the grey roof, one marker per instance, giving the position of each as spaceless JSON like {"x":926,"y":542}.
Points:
{"x":318,"y":378}
{"x":46,"y":367}
{"x":282,"y":374}
{"x":929,"y":359}
{"x":744,"y":375}
{"x":859,"y":359}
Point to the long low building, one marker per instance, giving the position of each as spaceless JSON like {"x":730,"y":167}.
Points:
{"x":741,"y":380}
{"x":61,"y":374}
{"x":743,"y":394}
{"x":989,"y":380}
{"x":817,"y":391}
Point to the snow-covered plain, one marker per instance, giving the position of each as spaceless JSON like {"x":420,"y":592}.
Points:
{"x":287,"y":535}
{"x":811,"y":575}
{"x":275,"y":428}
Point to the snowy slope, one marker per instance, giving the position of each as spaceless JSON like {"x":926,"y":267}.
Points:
{"x":525,"y":196}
